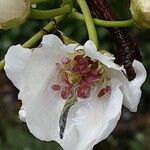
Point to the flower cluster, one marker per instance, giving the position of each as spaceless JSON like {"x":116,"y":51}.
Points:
{"x":72,"y":94}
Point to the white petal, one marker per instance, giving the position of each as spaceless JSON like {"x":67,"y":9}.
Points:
{"x":43,"y":114}
{"x":15,"y":61}
{"x":132,"y":89}
{"x":52,"y":41}
{"x":92,"y":120}
{"x":22,"y":114}
{"x":43,"y":105}
{"x":70,"y":48}
{"x":108,"y":60}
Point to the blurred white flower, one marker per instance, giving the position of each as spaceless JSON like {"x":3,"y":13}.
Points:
{"x":13,"y":12}
{"x":140,"y":10}
{"x":71,"y":94}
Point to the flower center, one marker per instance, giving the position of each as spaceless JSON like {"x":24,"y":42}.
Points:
{"x":78,"y":74}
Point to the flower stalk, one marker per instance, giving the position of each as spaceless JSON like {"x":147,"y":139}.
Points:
{"x":89,"y":21}
{"x":47,"y":29}
{"x":48,"y":14}
{"x":104,"y":23}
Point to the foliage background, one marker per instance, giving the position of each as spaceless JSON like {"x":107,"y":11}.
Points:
{"x":132,"y":131}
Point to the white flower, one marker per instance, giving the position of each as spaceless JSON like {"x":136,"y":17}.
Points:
{"x":80,"y":109}
{"x":140,"y":10}
{"x":13,"y":12}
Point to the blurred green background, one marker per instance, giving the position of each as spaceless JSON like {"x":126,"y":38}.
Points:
{"x":132,"y":131}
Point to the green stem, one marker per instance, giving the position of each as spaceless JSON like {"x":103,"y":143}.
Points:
{"x":104,"y":23}
{"x":33,"y":41}
{"x":38,"y":1}
{"x":47,"y":14}
{"x":47,"y":29}
{"x":89,"y":21}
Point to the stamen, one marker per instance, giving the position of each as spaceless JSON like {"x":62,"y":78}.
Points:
{"x":80,"y":73}
{"x":95,"y":72}
{"x":78,"y":57}
{"x":65,"y":60}
{"x":81,"y":64}
{"x":104,"y":91}
{"x":65,"y":92}
{"x":91,"y":79}
{"x":56,"y":87}
{"x":89,"y":59}
{"x":83,"y":91}
{"x":67,"y":84}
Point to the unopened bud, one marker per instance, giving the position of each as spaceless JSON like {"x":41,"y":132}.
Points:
{"x":13,"y":12}
{"x":140,"y":10}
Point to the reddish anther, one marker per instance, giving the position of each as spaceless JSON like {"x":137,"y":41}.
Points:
{"x":91,"y":79}
{"x":80,"y":67}
{"x":65,"y":92}
{"x":104,"y":91}
{"x":86,"y":71}
{"x":67,"y":84}
{"x":82,"y":63}
{"x":95,"y":73}
{"x":89,"y":59}
{"x":78,"y":57}
{"x":83,"y":91}
{"x":56,"y":87}
{"x":65,"y":60}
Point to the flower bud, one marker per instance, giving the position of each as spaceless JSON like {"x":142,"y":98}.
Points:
{"x":140,"y":10}
{"x":13,"y":12}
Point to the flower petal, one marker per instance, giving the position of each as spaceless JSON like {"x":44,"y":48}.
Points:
{"x":132,"y":89}
{"x":106,"y":58}
{"x":93,"y":119}
{"x":52,"y":41}
{"x":22,"y":114}
{"x":42,"y":115}
{"x":43,"y":105}
{"x":15,"y":61}
{"x":55,"y":42}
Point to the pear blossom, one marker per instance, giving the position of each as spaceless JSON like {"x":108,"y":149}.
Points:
{"x":71,"y":94}
{"x":13,"y":12}
{"x":140,"y":10}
